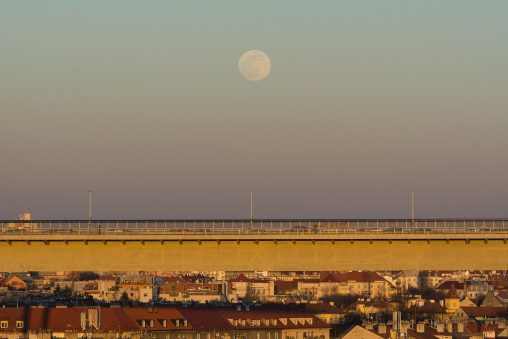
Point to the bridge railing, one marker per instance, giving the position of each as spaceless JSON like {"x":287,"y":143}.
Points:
{"x":265,"y":226}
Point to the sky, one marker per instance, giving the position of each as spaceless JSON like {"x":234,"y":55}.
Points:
{"x":142,"y":103}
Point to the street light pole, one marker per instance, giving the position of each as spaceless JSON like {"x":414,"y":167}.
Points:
{"x":89,"y":206}
{"x":251,"y":213}
{"x":412,"y":206}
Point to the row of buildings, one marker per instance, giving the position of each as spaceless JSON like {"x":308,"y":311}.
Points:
{"x":158,"y":322}
{"x":264,"y":287}
{"x":202,"y":288}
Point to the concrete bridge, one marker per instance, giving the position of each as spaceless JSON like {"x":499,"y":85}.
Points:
{"x":245,"y":245}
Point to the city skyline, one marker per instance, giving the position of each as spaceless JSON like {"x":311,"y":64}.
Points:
{"x":145,"y":106}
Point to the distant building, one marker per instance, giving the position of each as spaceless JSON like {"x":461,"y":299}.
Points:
{"x":16,"y":283}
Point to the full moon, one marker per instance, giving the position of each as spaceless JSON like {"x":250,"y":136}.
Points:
{"x":254,"y":65}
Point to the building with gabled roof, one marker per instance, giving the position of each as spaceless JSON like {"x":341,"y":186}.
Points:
{"x":479,"y":313}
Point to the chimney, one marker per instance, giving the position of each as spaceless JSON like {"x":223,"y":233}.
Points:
{"x":440,"y":328}
{"x":381,"y":329}
{"x":420,"y":328}
{"x":460,"y":327}
{"x":83,"y":320}
{"x":396,"y":320}
{"x":404,"y":326}
{"x":93,"y":318}
{"x":449,"y":327}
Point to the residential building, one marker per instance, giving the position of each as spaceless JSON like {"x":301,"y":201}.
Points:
{"x":477,"y":289}
{"x":243,"y":287}
{"x":495,"y":299}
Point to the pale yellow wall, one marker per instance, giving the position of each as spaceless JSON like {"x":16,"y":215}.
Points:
{"x":452,"y":304}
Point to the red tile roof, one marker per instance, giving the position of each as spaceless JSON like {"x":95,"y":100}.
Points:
{"x":175,"y":280}
{"x":356,"y":276}
{"x":107,"y":277}
{"x":243,"y":278}
{"x":271,"y":319}
{"x":137,"y":319}
{"x":484,"y":312}
{"x":12,"y":315}
{"x":204,"y":318}
{"x":285,"y":285}
{"x":446,"y":285}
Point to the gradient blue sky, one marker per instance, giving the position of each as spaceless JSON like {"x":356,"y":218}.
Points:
{"x":142,"y":102}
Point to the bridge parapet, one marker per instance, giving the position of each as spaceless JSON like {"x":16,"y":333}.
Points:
{"x":261,"y":226}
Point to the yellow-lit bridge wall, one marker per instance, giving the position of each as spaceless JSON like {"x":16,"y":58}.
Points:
{"x":250,"y":255}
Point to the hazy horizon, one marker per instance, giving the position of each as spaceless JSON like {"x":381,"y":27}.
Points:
{"x":143,"y":103}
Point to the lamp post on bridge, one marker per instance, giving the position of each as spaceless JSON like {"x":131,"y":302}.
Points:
{"x":89,"y":206}
{"x":412,"y":207}
{"x":251,"y":212}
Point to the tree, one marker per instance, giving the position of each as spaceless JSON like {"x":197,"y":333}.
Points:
{"x":65,"y":292}
{"x":423,"y":281}
{"x":88,"y":275}
{"x":341,"y":300}
{"x":349,"y":320}
{"x":125,"y":297}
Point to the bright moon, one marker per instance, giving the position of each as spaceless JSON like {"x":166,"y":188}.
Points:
{"x":254,"y":65}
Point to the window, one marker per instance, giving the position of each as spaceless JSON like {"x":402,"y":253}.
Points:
{"x":151,"y":323}
{"x":4,"y":324}
{"x":19,"y":324}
